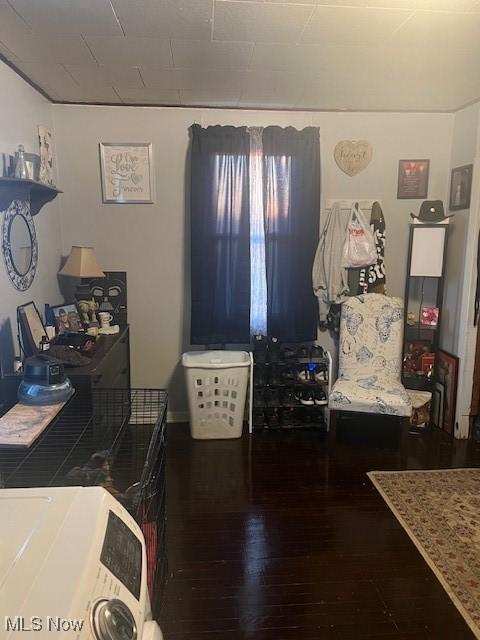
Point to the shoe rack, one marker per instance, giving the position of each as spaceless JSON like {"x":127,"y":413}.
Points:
{"x":290,"y":385}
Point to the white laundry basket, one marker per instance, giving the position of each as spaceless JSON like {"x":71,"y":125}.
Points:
{"x":217,"y":387}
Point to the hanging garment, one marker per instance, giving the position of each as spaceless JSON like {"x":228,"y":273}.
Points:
{"x":329,"y":278}
{"x":372,"y":279}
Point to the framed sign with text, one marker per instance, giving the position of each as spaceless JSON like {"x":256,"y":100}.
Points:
{"x":413,"y":179}
{"x":127,"y":172}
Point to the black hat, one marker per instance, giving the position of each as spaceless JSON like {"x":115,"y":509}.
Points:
{"x":431,"y":211}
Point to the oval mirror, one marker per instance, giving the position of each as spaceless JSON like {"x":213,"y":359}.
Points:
{"x":19,"y":244}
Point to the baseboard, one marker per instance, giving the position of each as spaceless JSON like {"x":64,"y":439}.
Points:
{"x":177,"y":416}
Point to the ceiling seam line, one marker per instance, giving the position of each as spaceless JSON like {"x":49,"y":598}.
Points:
{"x":117,"y":18}
{"x":89,"y":49}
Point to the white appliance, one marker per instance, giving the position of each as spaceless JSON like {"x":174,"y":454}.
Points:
{"x":72,"y":565}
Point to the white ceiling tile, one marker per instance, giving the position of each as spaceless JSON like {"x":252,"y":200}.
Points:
{"x":438,"y":5}
{"x":273,"y":56}
{"x":56,"y":49}
{"x":352,"y":25}
{"x":149,"y":96}
{"x":273,"y":88}
{"x":262,"y":22}
{"x":441,"y":30}
{"x":209,"y":80}
{"x":106,"y":95}
{"x":352,"y":57}
{"x":53,"y":78}
{"x":61,"y":17}
{"x":306,"y":2}
{"x":201,"y":98}
{"x":91,"y":76}
{"x":166,"y":18}
{"x":131,"y":51}
{"x":194,"y":54}
{"x":269,"y":56}
{"x":10,"y":20}
{"x":158,"y":78}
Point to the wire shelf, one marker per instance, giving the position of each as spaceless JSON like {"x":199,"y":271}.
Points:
{"x":117,"y":441}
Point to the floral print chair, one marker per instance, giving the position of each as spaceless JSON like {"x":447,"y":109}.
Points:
{"x":370,"y":359}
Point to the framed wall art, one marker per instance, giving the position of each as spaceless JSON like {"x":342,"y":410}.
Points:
{"x":412,"y":179}
{"x":460,"y":187}
{"x":31,"y":328}
{"x":45,"y":142}
{"x":127,"y":172}
{"x":110,"y":293}
{"x":447,"y":374}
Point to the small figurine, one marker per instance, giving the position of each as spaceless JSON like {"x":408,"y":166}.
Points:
{"x":88,"y":309}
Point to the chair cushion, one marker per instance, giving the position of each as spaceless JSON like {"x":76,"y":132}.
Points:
{"x":369,"y":395}
{"x":371,"y":336}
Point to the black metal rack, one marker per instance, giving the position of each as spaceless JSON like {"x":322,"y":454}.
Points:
{"x":120,"y":444}
{"x":298,"y":416}
{"x":416,"y":332}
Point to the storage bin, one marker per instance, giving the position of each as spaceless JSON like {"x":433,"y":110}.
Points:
{"x":217,"y":387}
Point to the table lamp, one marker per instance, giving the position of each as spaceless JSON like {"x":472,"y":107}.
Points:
{"x":82,"y":263}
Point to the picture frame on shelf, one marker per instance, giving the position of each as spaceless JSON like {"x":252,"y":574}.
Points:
{"x":460,"y":187}
{"x":447,"y":375}
{"x":413,"y":179}
{"x":429,"y":316}
{"x":67,"y":318}
{"x":127,"y":172}
{"x":437,"y":414}
{"x":31,"y":328}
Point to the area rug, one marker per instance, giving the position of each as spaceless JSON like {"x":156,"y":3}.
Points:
{"x":440,"y":511}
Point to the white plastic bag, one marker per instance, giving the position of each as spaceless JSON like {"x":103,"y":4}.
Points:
{"x":359,"y":249}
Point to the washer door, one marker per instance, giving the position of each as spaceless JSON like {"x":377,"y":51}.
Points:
{"x":113,"y":620}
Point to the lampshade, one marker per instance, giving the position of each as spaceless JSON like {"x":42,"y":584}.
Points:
{"x":82,"y":263}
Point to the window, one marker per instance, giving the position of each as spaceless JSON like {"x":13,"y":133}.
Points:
{"x":254,"y":229}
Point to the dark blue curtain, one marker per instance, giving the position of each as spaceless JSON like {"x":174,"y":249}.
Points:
{"x":292,"y":213}
{"x":220,"y":229}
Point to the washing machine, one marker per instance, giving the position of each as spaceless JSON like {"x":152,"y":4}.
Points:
{"x":72,"y":566}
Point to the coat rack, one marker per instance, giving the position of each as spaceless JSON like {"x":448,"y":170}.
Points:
{"x":347,"y":204}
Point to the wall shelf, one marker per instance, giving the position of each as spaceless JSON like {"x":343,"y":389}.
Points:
{"x":37,"y":193}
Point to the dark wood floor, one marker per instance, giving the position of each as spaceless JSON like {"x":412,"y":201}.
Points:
{"x":276,"y":537}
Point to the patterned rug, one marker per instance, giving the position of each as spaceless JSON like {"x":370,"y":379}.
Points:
{"x":440,"y":511}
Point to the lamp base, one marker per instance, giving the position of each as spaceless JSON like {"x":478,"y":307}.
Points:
{"x":82,"y":291}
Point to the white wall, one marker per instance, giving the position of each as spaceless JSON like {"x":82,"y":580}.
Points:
{"x":463,"y":152}
{"x":22,"y":109}
{"x":149,"y":241}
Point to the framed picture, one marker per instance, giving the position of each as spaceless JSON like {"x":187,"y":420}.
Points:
{"x":31,"y":328}
{"x":110,"y":293}
{"x":447,"y":375}
{"x":46,"y":155}
{"x":429,"y":316}
{"x":461,"y":187}
{"x":127,"y":172}
{"x":413,"y":179}
{"x":67,"y":318}
{"x":437,"y":415}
